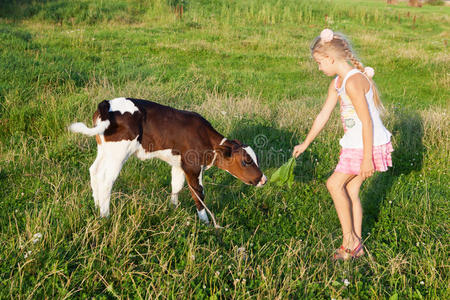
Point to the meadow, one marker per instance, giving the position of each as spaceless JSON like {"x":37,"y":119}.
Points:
{"x":246,"y":67}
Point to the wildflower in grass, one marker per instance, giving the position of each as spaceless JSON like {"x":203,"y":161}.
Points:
{"x":346,"y":282}
{"x":204,"y":286}
{"x":422,"y":283}
{"x":27,"y":254}
{"x":37,"y":237}
{"x":390,"y":202}
{"x":217,"y":273}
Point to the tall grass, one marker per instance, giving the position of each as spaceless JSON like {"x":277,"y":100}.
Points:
{"x":246,"y":67}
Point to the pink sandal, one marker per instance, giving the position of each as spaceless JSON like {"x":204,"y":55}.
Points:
{"x":348,"y":253}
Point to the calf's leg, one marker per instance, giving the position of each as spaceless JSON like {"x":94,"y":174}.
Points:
{"x":115,"y":154}
{"x":194,"y":179}
{"x":177,"y":184}
{"x":93,"y":171}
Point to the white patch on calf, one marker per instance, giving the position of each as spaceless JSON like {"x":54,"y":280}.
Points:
{"x":177,"y":184}
{"x":262,"y":181}
{"x":200,"y":177}
{"x":164,"y":155}
{"x":252,"y":154}
{"x":122,"y":105}
{"x":82,"y":128}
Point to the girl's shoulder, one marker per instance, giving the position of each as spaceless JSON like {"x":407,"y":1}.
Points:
{"x":357,"y":82}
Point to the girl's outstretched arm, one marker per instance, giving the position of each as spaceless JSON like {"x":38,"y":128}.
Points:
{"x":356,"y":89}
{"x":320,"y":121}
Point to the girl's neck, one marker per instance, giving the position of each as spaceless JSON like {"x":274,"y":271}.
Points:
{"x":343,"y":68}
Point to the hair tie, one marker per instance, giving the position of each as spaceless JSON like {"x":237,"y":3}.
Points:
{"x":326,"y":35}
{"x":369,"y":71}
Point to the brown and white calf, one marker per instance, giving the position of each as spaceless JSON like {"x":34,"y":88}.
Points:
{"x":183,"y":139}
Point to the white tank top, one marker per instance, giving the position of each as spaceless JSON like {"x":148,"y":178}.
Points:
{"x":352,"y":124}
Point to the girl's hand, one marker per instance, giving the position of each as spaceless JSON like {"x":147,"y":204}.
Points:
{"x":367,"y":168}
{"x":299,"y":149}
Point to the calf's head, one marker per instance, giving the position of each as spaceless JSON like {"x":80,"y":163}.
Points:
{"x":241,"y":162}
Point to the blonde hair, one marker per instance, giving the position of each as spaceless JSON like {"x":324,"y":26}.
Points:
{"x":341,"y":47}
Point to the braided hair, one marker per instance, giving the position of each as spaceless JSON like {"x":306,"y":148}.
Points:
{"x":340,"y":46}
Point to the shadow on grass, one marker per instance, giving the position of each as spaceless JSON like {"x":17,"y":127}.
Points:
{"x":407,"y":157}
{"x":274,"y":147}
{"x":21,"y":9}
{"x":70,"y":12}
{"x":248,"y":205}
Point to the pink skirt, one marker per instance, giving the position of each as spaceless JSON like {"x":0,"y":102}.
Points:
{"x":350,"y":159}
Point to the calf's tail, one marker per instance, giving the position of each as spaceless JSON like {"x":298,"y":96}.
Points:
{"x":101,"y":125}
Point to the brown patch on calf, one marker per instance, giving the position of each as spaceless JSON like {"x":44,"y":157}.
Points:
{"x":124,"y":126}
{"x":97,"y":138}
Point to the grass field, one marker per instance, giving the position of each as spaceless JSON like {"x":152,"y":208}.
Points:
{"x":246,"y":67}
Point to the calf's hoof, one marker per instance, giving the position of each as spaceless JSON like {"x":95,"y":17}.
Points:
{"x":104,"y":214}
{"x":174,"y":200}
{"x":203,"y":216}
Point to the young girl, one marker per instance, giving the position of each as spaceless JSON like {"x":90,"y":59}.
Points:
{"x":366,"y":145}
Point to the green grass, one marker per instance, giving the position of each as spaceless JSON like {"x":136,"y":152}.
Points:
{"x":245,"y":66}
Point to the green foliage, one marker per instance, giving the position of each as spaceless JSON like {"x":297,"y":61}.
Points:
{"x":435,"y":2}
{"x":284,"y":174}
{"x":246,"y":67}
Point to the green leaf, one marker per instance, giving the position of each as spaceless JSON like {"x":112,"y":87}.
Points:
{"x":394,"y":297}
{"x":284,"y":174}
{"x":336,"y":283}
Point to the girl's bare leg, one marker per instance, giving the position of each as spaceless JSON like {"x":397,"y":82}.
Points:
{"x":336,"y":185}
{"x":353,"y":188}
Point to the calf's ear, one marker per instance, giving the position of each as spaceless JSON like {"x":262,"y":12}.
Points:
{"x":238,"y":142}
{"x":224,"y":151}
